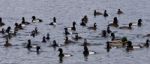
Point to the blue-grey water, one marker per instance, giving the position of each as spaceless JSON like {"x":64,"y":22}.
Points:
{"x":67,"y":11}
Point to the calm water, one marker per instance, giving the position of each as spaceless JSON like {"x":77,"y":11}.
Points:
{"x":67,"y":11}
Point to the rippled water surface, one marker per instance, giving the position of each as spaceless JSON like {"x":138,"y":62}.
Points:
{"x":67,"y":11}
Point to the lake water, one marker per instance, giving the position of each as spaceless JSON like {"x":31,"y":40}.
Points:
{"x":67,"y":11}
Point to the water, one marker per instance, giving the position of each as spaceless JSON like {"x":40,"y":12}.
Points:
{"x":67,"y":11}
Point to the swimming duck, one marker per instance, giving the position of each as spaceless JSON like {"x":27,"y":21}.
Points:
{"x":105,"y":13}
{"x":86,"y":51}
{"x":108,"y":30}
{"x":129,"y":46}
{"x":8,"y":29}
{"x":119,"y":12}
{"x":126,"y":27}
{"x":115,"y":22}
{"x":77,"y":37}
{"x":67,"y":41}
{"x":7,"y":44}
{"x":85,"y":19}
{"x":38,"y":49}
{"x":54,"y":44}
{"x":73,"y":27}
{"x":94,"y":27}
{"x":29,"y":46}
{"x":146,"y":44}
{"x":104,"y":33}
{"x":2,"y":31}
{"x":54,"y":21}
{"x":44,"y":39}
{"x":139,"y":22}
{"x":1,"y":23}
{"x":97,"y":13}
{"x":47,"y":36}
{"x":66,"y":31}
{"x":62,"y":54}
{"x":36,"y":20}
{"x":24,"y":22}
{"x":83,"y":23}
{"x":108,"y":46}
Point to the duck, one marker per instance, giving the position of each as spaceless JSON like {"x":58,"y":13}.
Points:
{"x":85,"y":43}
{"x":129,"y":46}
{"x":54,"y":21}
{"x":120,"y":42}
{"x":86,"y":51}
{"x":36,"y":20}
{"x":104,"y":33}
{"x":67,"y":41}
{"x":73,"y":27}
{"x":47,"y":36}
{"x":54,"y":44}
{"x":8,"y":29}
{"x":7,"y":44}
{"x":126,"y":27}
{"x":77,"y":37}
{"x":115,"y":22}
{"x":66,"y":31}
{"x":24,"y":22}
{"x":2,"y":31}
{"x":62,"y":54}
{"x":97,"y":13}
{"x":108,"y":46}
{"x":119,"y":12}
{"x":1,"y":23}
{"x":108,"y":30}
{"x":147,"y":43}
{"x":105,"y":13}
{"x":85,"y":19}
{"x":139,"y":22}
{"x":44,"y":39}
{"x":83,"y":23}
{"x":94,"y":27}
{"x":29,"y":46}
{"x":38,"y":49}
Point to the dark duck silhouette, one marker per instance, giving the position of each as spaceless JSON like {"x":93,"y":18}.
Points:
{"x":115,"y":22}
{"x":83,"y":23}
{"x":129,"y":46}
{"x":139,"y":22}
{"x":48,"y":36}
{"x":54,"y":21}
{"x":29,"y":46}
{"x":108,"y":30}
{"x":73,"y":26}
{"x":61,"y":55}
{"x":97,"y":13}
{"x":94,"y":27}
{"x":8,"y":29}
{"x":119,"y":12}
{"x":1,"y":23}
{"x":66,"y":31}
{"x":126,"y":27}
{"x":44,"y":39}
{"x":108,"y":46}
{"x":105,"y":13}
{"x":36,"y":20}
{"x":77,"y":37}
{"x":86,"y":52}
{"x":146,"y":44}
{"x":7,"y":44}
{"x":85,"y":19}
{"x":24,"y":22}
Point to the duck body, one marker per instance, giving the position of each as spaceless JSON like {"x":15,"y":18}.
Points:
{"x":97,"y":13}
{"x":126,"y":27}
{"x":119,"y":12}
{"x":93,"y":28}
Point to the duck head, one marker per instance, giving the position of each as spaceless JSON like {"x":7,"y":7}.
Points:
{"x":33,"y":18}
